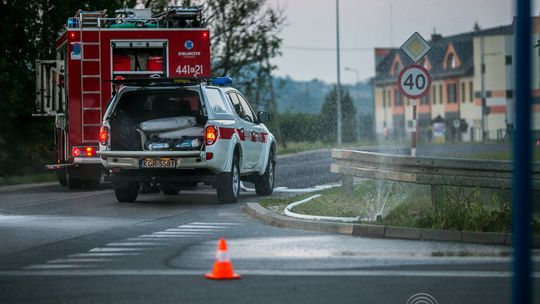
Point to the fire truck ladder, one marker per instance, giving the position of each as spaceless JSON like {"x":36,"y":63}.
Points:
{"x":90,"y":18}
{"x":91,"y":97}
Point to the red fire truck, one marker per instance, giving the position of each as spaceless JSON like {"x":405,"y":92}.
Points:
{"x":93,"y":50}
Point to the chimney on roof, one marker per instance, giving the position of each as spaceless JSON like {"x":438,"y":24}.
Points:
{"x":435,"y":37}
{"x":476,"y":27}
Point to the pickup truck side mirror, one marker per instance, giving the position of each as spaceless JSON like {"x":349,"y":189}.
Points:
{"x":263,"y":116}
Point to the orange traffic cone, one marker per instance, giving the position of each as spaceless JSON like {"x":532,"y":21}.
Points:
{"x":223,"y":268}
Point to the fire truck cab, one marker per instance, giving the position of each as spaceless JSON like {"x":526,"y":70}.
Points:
{"x":93,"y":50}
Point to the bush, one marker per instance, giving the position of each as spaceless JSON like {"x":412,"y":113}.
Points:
{"x":299,"y":127}
{"x":459,"y":209}
{"x":464,"y":210}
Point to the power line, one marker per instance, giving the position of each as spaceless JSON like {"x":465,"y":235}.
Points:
{"x":319,"y":49}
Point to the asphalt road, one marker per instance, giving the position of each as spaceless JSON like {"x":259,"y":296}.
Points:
{"x":62,"y":246}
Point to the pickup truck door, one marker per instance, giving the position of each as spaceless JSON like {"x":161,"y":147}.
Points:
{"x":247,"y":122}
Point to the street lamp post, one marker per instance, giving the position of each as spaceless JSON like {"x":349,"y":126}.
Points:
{"x":355,"y":71}
{"x":338,"y":90}
{"x":357,"y":93}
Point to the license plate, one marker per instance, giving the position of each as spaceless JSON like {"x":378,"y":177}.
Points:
{"x":158,"y":163}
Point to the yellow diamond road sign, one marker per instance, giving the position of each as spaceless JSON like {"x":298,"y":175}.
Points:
{"x":416,"y":47}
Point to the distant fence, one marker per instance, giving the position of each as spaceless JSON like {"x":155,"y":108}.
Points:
{"x":433,"y":171}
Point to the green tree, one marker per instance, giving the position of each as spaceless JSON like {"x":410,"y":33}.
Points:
{"x":298,"y":127}
{"x":328,"y":118}
{"x":31,"y":27}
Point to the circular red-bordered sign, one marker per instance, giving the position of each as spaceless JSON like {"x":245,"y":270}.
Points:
{"x":414,"y":81}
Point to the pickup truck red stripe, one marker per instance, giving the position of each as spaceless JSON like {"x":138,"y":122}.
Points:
{"x":227,"y":133}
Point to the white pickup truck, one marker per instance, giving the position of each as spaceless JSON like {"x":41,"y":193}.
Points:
{"x":181,"y":134}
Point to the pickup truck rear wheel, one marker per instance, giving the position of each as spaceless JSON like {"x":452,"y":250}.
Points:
{"x":127,"y":195}
{"x":264,"y":184}
{"x":228,"y":184}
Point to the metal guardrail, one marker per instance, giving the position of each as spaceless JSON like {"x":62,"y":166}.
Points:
{"x":434,"y":171}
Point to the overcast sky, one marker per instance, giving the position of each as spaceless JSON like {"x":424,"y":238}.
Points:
{"x":365,"y":24}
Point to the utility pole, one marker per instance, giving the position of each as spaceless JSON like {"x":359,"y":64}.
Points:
{"x":338,"y":90}
{"x":483,"y":87}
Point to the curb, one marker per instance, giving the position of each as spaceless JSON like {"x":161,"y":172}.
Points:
{"x":378,"y":231}
{"x":26,"y":186}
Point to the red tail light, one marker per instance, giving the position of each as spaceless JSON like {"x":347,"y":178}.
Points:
{"x":211,"y":135}
{"x":83,"y":151}
{"x":75,"y":152}
{"x":205,"y":34}
{"x":104,"y":135}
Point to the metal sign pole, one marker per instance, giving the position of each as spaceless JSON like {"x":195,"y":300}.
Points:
{"x":522,"y":185}
{"x":417,"y":82}
{"x":415,"y":128}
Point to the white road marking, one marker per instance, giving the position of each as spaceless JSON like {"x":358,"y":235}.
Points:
{"x":225,"y":224}
{"x":127,"y":244}
{"x":103,"y":254}
{"x":246,"y":272}
{"x":145,"y":239}
{"x":192,"y":230}
{"x":157,"y":236}
{"x":63,"y":261}
{"x":114,"y":249}
{"x":128,"y":247}
{"x":182,"y":233}
{"x":201,"y":226}
{"x":58,"y":266}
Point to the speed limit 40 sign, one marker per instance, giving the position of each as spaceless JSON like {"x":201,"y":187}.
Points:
{"x":414,"y":81}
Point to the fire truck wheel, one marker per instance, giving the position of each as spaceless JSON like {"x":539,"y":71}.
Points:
{"x":62,"y":178}
{"x":228,"y":183}
{"x":264,"y":184}
{"x":72,"y":182}
{"x":127,"y":195}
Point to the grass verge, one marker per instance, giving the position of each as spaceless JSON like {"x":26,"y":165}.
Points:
{"x":28,"y":179}
{"x":407,"y":205}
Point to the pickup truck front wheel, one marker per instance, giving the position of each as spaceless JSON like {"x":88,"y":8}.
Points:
{"x":228,"y":184}
{"x":264,"y":184}
{"x":127,"y":195}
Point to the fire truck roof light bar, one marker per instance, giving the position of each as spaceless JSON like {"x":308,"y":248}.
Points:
{"x":159,"y":81}
{"x":221,"y":81}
